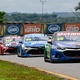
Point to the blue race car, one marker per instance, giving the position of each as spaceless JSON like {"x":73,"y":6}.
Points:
{"x":64,"y":46}
{"x":32,"y":45}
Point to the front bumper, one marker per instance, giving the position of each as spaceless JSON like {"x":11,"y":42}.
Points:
{"x":67,"y":54}
{"x":11,"y":49}
{"x":33,"y":51}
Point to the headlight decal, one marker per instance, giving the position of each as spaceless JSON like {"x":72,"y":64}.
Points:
{"x":23,"y":46}
{"x":8,"y":44}
{"x":58,"y":48}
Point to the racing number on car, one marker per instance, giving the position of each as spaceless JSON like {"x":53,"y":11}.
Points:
{"x":28,"y":39}
{"x":60,"y":38}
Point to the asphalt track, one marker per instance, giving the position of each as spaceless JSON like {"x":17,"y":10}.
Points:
{"x":69,"y":71}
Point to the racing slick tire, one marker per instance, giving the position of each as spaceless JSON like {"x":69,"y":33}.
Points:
{"x":45,"y":56}
{"x":51,"y":61}
{"x":19,"y":53}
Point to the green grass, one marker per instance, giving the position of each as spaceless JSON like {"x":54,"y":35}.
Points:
{"x":13,"y":71}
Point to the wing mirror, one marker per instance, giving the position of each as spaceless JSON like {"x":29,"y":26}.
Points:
{"x":20,"y":42}
{"x":49,"y":41}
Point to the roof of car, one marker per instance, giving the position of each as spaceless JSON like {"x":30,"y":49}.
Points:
{"x":66,"y":31}
{"x":35,"y":35}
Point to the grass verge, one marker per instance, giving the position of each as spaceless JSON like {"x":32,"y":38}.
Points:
{"x":13,"y":71}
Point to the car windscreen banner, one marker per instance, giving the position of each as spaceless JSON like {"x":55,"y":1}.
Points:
{"x":51,"y":28}
{"x":1,"y":30}
{"x":31,"y":28}
{"x":13,"y":29}
{"x":72,"y":27}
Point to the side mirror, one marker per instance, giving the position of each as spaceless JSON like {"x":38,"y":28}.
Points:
{"x":50,"y":37}
{"x":20,"y":42}
{"x":49,"y":41}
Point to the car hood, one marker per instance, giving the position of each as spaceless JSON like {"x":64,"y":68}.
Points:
{"x":35,"y":43}
{"x":67,"y":44}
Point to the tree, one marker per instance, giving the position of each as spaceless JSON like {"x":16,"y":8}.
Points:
{"x":2,"y":17}
{"x":77,"y":7}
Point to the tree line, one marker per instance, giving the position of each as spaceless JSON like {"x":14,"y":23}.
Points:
{"x":39,"y":18}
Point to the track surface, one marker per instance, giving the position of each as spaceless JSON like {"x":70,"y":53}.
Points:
{"x":68,"y":69}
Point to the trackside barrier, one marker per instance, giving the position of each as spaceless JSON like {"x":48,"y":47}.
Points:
{"x":26,"y":28}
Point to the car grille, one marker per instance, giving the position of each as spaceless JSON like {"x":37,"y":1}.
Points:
{"x":36,"y":51}
{"x":72,"y":53}
{"x":41,"y":47}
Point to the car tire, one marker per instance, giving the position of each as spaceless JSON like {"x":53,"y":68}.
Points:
{"x":51,"y":61}
{"x":45,"y":56}
{"x":20,"y":53}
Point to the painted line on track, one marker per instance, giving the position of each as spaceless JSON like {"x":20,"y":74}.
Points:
{"x":53,"y":73}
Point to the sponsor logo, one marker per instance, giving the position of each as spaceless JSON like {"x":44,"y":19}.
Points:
{"x":13,"y":29}
{"x":39,"y":42}
{"x":32,"y":29}
{"x":53,"y":28}
{"x":72,"y":28}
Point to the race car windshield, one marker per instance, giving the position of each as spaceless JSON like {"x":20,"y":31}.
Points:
{"x":68,"y":38}
{"x":7,"y":40}
{"x":36,"y":38}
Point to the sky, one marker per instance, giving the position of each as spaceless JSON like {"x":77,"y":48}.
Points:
{"x":35,"y":6}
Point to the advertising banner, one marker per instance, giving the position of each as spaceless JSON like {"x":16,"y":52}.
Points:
{"x":1,"y":30}
{"x":72,"y":27}
{"x":31,"y":28}
{"x":51,"y":28}
{"x":13,"y":29}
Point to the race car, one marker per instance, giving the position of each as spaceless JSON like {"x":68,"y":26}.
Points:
{"x":64,"y":46}
{"x":32,"y":45}
{"x":9,"y":44}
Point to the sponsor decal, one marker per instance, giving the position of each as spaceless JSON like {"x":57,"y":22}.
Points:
{"x":72,"y":28}
{"x":78,"y":44}
{"x":13,"y":29}
{"x":32,"y":29}
{"x":64,"y":34}
{"x":41,"y":42}
{"x":53,"y":28}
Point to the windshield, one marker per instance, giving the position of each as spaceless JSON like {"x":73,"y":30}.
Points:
{"x":43,"y":38}
{"x":8,"y":40}
{"x":68,"y":37}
